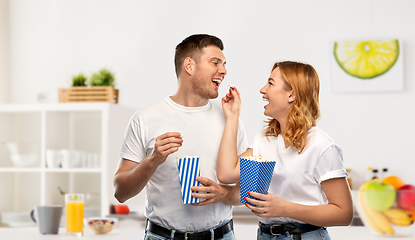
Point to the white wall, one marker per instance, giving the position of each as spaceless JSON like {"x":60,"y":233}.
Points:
{"x":4,"y":51}
{"x":51,"y":40}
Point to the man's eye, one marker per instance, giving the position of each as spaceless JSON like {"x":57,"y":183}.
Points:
{"x":215,"y":63}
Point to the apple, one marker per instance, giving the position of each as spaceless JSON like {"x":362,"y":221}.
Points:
{"x":406,"y":197}
{"x":379,"y":196}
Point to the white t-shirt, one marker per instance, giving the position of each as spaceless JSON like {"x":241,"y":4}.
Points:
{"x":201,"y":128}
{"x":297,"y":177}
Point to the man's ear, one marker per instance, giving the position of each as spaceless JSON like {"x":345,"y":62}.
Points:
{"x":292,"y":97}
{"x":189,"y":65}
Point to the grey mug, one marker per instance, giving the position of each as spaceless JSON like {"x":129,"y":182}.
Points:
{"x":47,"y":218}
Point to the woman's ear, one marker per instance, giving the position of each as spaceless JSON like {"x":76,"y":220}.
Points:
{"x":292,"y":97}
{"x":189,"y":65}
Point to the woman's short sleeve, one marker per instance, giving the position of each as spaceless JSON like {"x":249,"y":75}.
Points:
{"x":330,"y":164}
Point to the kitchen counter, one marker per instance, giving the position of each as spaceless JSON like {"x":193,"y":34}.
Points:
{"x":134,"y":229}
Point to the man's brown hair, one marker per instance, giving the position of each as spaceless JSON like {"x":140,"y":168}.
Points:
{"x":192,"y":46}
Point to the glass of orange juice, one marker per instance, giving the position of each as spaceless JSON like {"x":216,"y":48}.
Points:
{"x":74,"y":214}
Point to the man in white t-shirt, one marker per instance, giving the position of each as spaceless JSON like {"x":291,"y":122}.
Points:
{"x":185,"y":124}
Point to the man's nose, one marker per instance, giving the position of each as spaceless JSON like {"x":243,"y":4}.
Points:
{"x":223,"y":70}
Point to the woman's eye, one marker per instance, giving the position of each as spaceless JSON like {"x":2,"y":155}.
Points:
{"x":270,"y":83}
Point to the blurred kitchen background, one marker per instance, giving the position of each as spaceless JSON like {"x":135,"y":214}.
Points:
{"x":44,"y":43}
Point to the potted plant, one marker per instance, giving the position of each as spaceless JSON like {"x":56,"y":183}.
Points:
{"x":100,"y":89}
{"x":104,"y":77}
{"x":79,"y":80}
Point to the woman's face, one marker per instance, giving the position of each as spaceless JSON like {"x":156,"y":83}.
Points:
{"x":278,"y":97}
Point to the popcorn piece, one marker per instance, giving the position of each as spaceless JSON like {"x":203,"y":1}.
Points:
{"x":258,"y":158}
{"x":232,"y":85}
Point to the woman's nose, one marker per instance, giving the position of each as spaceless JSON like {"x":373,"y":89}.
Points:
{"x":262,"y":90}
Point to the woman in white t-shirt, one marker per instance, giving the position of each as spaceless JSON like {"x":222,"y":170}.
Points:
{"x":308,"y":190}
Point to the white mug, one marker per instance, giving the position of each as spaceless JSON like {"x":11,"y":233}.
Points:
{"x":70,"y":158}
{"x":93,"y":160}
{"x":53,"y":158}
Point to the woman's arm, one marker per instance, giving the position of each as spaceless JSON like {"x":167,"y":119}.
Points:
{"x":227,"y":167}
{"x":338,"y":212}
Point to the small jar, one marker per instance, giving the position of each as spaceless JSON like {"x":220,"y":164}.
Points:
{"x":349,"y":178}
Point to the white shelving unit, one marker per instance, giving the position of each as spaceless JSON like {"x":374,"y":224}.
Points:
{"x":95,"y":128}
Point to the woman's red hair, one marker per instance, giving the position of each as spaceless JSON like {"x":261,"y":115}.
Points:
{"x":305,"y":110}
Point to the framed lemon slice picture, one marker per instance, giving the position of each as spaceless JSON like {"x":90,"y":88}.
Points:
{"x":367,"y":66}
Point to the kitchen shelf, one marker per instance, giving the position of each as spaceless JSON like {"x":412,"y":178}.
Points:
{"x":136,"y":216}
{"x":22,"y":169}
{"x":95,"y":128}
{"x":75,"y":170}
{"x":11,"y":169}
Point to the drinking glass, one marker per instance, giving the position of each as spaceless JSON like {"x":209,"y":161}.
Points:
{"x":74,"y":214}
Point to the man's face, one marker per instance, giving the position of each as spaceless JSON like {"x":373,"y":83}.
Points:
{"x":209,"y":73}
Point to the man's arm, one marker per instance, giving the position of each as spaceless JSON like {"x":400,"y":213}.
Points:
{"x":213,"y":192}
{"x":233,"y":197}
{"x":131,"y":177}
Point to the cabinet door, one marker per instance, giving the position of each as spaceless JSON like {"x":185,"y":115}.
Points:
{"x":20,"y":139}
{"x":77,"y":136}
{"x":20,"y":160}
{"x":94,"y":131}
{"x":88,"y":183}
{"x":20,"y":191}
{"x":74,"y":130}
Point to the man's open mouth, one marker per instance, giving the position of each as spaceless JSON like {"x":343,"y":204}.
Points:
{"x":217,"y":81}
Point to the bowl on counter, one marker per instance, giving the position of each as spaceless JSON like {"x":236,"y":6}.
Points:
{"x":17,"y":219}
{"x":387,"y":209}
{"x":23,"y":154}
{"x":101,"y":225}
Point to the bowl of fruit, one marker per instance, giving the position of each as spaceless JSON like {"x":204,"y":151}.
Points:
{"x":387,"y":206}
{"x":101,"y":225}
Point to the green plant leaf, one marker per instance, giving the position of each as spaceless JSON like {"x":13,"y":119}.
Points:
{"x":61,"y":191}
{"x":104,"y":77}
{"x":79,"y":80}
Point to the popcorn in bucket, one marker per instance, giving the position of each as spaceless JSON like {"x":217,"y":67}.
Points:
{"x":188,"y":171}
{"x":255,"y":175}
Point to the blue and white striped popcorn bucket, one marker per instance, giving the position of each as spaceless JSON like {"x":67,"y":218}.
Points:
{"x":188,"y":171}
{"x":255,"y":175}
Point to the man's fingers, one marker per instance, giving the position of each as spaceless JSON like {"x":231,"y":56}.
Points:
{"x":166,"y":150}
{"x":165,"y":141}
{"x":203,"y":203}
{"x":168,"y":142}
{"x":169,"y":135}
{"x":168,"y":146}
{"x":170,"y":151}
{"x":204,"y":181}
{"x":202,"y":195}
{"x":207,"y":185}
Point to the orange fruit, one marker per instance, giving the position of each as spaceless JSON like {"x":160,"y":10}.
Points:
{"x":121,"y":209}
{"x":395,"y":181}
